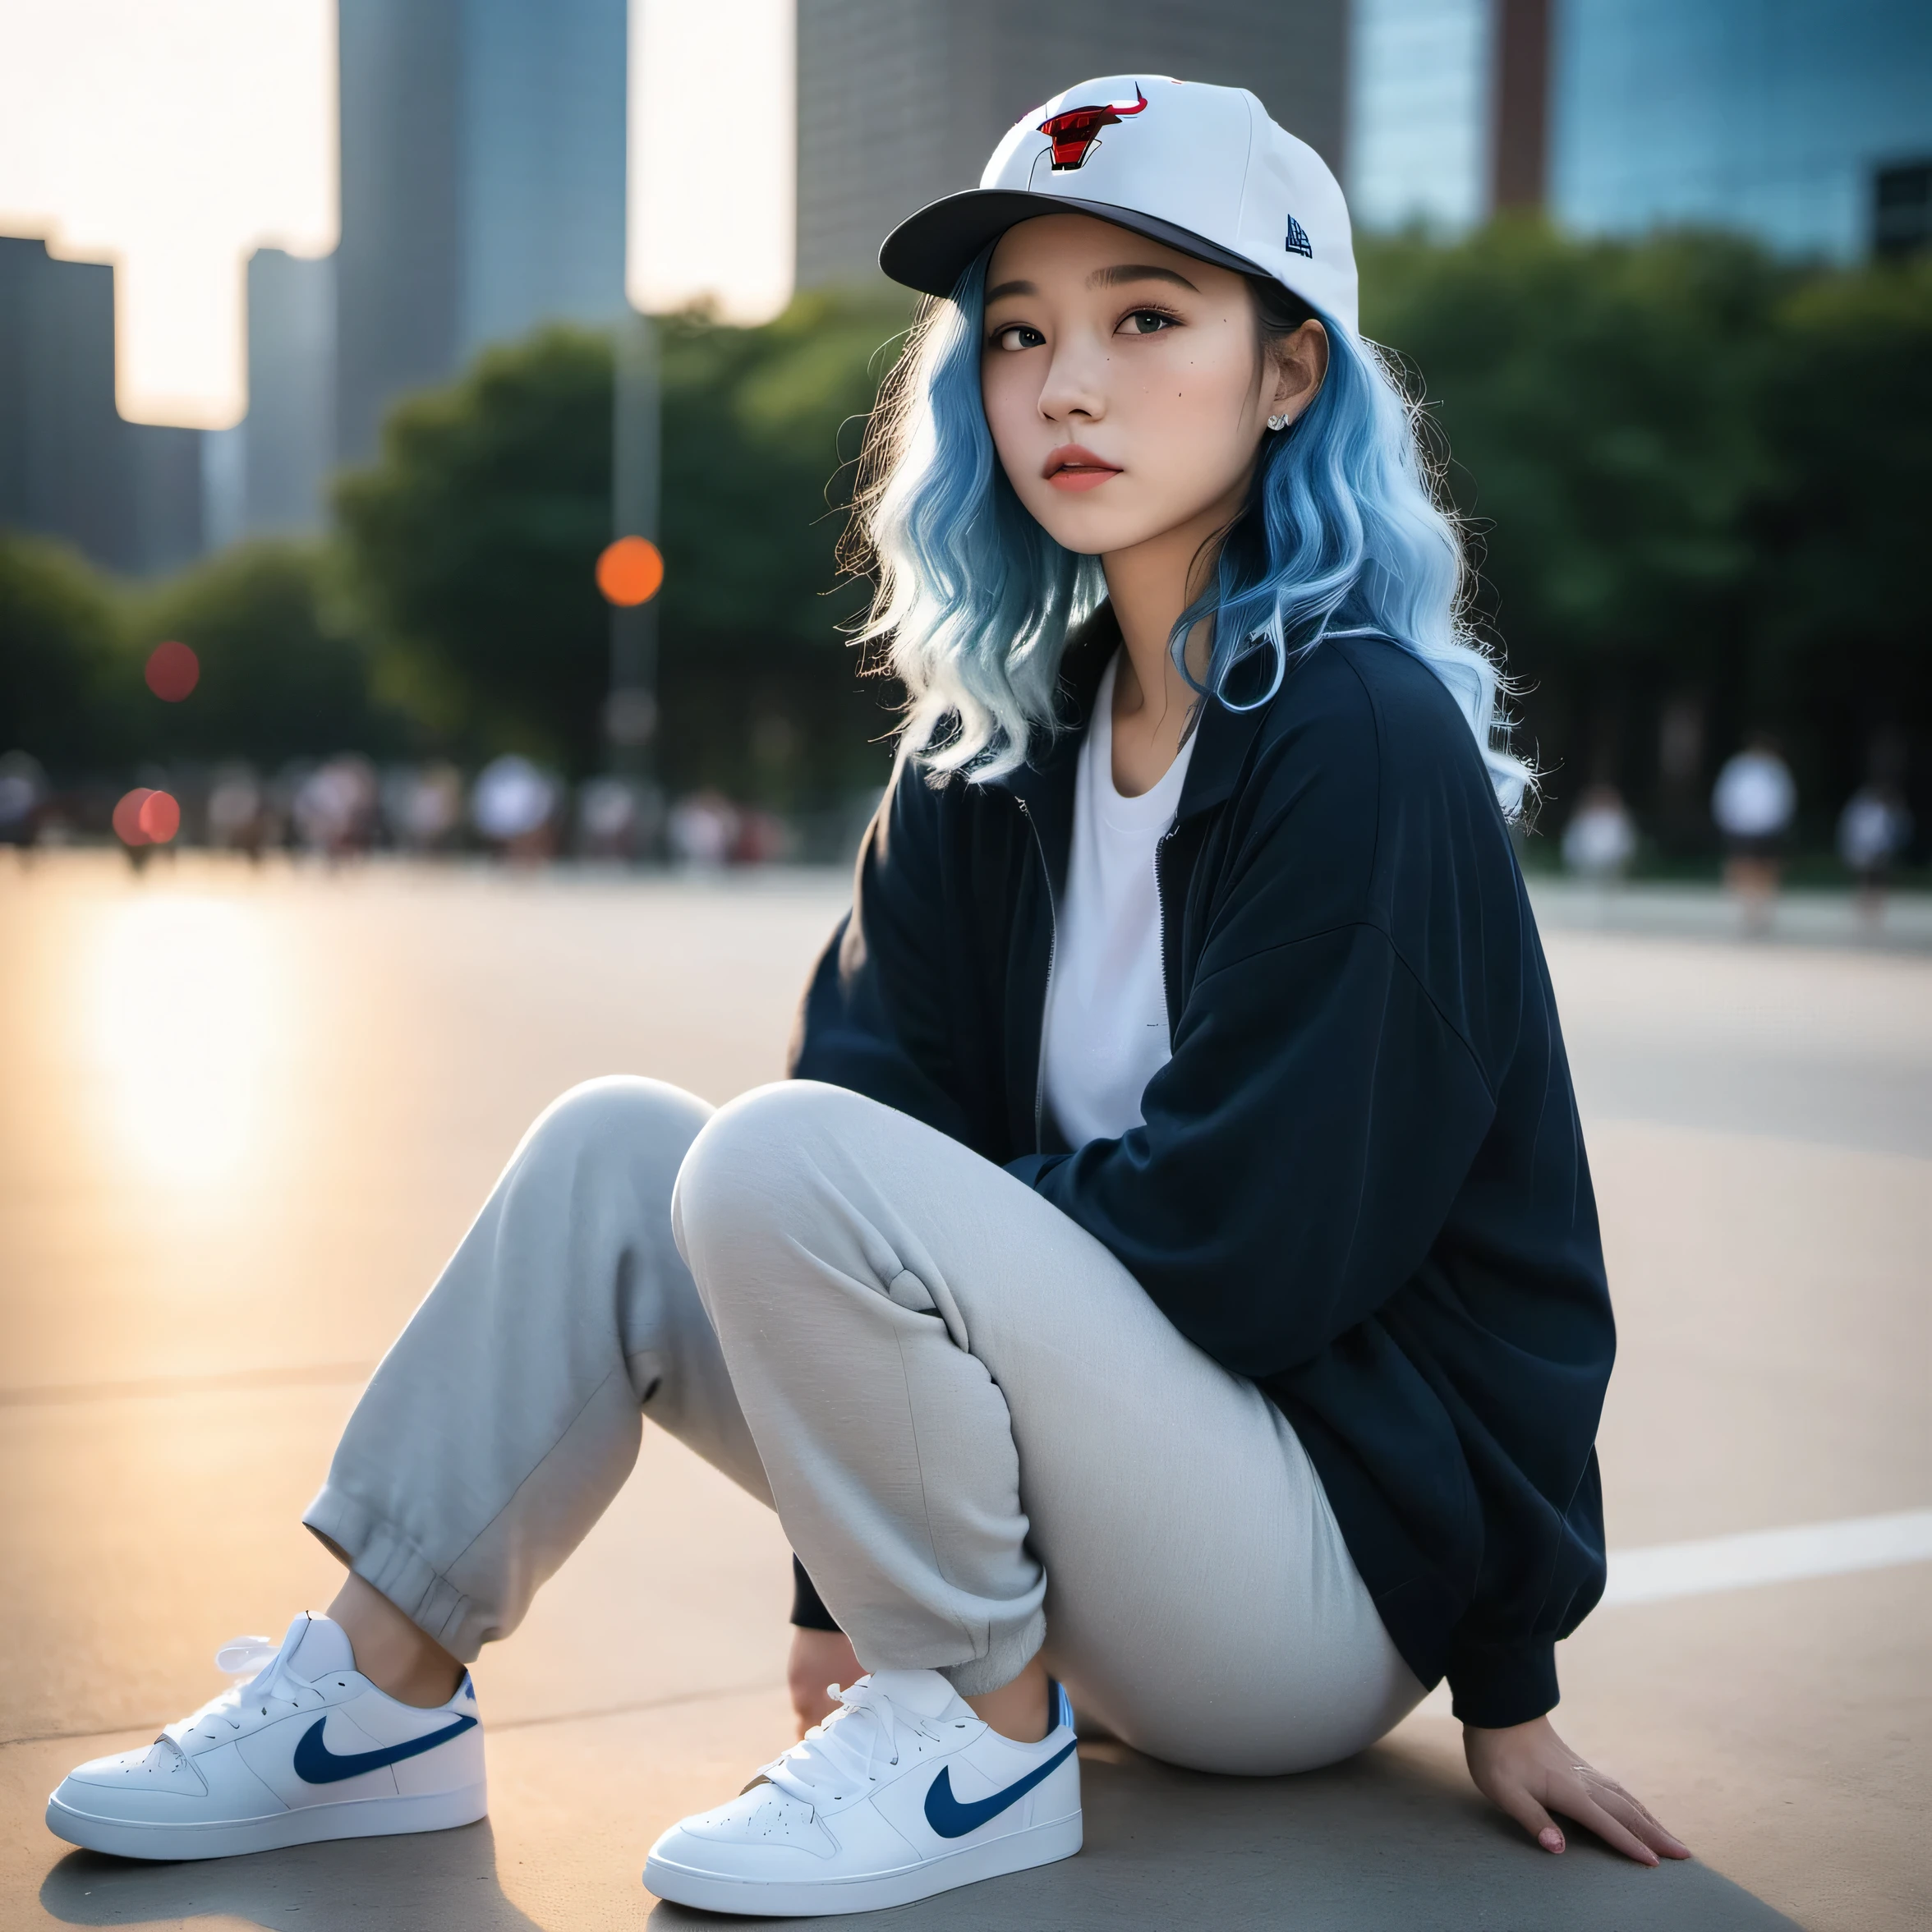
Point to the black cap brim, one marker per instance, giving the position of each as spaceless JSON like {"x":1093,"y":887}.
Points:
{"x":930,"y":250}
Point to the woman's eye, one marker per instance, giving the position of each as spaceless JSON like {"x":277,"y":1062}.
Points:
{"x":1017,"y":335}
{"x":1146,"y":322}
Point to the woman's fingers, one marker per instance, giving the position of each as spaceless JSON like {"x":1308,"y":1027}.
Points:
{"x":1529,"y":1772}
{"x":1514,"y":1800}
{"x":1610,"y":1828}
{"x":1641,"y":1819}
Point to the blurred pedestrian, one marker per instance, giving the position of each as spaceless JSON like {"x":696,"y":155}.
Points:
{"x":239,"y":814}
{"x":1601,"y":838}
{"x":763,"y":838}
{"x":703,"y":831}
{"x":335,"y":808}
{"x":619,"y":818}
{"x":1753,"y":803}
{"x":515,"y":807}
{"x":23,"y":791}
{"x":1873,"y":831}
{"x":422,"y":805}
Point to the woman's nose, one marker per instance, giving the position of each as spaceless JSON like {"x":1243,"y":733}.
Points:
{"x":1074,"y":387}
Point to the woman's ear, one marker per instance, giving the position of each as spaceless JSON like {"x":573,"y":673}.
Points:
{"x":1299,"y":362}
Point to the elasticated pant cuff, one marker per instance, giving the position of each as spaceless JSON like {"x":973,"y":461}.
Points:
{"x":388,"y":1562}
{"x":1002,"y":1664}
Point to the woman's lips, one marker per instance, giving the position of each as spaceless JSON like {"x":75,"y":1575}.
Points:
{"x":1074,"y":468}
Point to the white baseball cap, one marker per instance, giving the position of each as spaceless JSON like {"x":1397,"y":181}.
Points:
{"x":1201,"y":168}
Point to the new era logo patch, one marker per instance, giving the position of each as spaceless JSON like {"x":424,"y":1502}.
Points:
{"x":1298,"y":242}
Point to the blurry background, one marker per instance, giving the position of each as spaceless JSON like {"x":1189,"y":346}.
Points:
{"x":307,"y":317}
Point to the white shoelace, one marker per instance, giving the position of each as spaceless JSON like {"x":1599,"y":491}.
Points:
{"x":266,"y":1691}
{"x":844,"y":1755}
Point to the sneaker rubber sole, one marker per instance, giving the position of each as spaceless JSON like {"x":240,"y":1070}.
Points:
{"x":305,"y":1824}
{"x":1020,"y":1851}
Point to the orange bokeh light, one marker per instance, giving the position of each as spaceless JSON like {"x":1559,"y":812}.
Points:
{"x":630,"y":570}
{"x":146,"y":817}
{"x":173,"y":671}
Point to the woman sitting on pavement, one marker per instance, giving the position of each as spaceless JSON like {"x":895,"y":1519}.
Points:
{"x":1170,"y":1285}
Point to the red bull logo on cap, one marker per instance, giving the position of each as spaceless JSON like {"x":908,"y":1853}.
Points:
{"x":1074,"y":131}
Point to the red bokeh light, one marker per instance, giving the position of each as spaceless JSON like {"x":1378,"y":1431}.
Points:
{"x":630,"y":570}
{"x":146,"y":817}
{"x":127,"y":825}
{"x":173,"y":671}
{"x":160,"y":817}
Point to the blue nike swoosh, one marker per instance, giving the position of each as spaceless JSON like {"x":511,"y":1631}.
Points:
{"x":316,"y":1763}
{"x":951,"y":1820}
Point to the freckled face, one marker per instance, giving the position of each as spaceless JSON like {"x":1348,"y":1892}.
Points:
{"x":1124,"y":381}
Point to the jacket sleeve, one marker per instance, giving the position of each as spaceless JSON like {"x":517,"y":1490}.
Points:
{"x":879,"y":1032}
{"x":1300,"y":1151}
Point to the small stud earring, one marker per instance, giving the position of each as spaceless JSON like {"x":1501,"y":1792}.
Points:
{"x":1277,"y":422}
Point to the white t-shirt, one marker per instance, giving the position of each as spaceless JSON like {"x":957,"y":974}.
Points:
{"x":1106,"y":1005}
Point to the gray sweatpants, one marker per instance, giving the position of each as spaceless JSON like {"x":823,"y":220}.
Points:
{"x":980,"y":1435}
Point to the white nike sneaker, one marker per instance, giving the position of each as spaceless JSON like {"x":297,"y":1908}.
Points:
{"x":901,"y":1793}
{"x":307,"y":1748}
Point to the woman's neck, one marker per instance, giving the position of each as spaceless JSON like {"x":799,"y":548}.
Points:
{"x":1149,"y":586}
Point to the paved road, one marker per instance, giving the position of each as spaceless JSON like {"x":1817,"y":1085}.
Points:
{"x":244,"y":1116}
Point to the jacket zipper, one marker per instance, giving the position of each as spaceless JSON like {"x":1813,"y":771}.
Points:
{"x":1047,"y":994}
{"x":1160,"y":845}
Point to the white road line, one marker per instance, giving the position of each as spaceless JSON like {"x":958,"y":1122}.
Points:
{"x":1768,"y":1555}
{"x":1666,"y":1570}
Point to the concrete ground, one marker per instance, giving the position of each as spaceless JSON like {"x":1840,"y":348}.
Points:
{"x":244,"y":1116}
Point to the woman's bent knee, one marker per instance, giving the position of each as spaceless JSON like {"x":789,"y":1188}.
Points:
{"x":620,"y":1113}
{"x":757,"y":1161}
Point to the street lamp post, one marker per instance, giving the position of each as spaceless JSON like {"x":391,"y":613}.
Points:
{"x":629,"y":571}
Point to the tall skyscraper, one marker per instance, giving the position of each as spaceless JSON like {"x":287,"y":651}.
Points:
{"x":127,"y":494}
{"x":287,"y":438}
{"x":1777,"y":116}
{"x":1419,"y":114}
{"x":1808,"y":126}
{"x":543,"y":166}
{"x":483,"y":179}
{"x":901,"y":101}
{"x":483,"y":156}
{"x":169,"y":488}
{"x":63,"y":470}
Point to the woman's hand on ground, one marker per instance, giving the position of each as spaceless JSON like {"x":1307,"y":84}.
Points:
{"x":1530,"y":1772}
{"x":819,"y":1657}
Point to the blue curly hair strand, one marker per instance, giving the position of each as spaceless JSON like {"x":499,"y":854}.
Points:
{"x":1341,"y":536}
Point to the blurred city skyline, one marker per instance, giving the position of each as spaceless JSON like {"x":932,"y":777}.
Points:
{"x":283,"y":215}
{"x":1686,"y":542}
{"x":174,"y":142}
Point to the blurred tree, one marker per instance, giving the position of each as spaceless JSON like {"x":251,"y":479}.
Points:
{"x":1601,"y":405}
{"x":472,"y":544}
{"x":60,"y":629}
{"x":1694,"y":476}
{"x":1843,"y":622}
{"x":762,"y":689}
{"x":281,"y":677}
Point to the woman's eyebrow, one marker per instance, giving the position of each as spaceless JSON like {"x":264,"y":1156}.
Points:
{"x":1011,"y":288}
{"x":1135,"y":272}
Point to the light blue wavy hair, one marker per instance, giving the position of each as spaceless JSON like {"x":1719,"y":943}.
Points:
{"x":1342,"y":537}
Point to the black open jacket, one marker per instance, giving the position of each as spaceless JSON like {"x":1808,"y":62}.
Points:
{"x":1361,"y":1181}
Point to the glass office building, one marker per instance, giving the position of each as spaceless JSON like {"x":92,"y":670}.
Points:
{"x":483,"y":146}
{"x":1419,"y":114}
{"x":1777,"y":116}
{"x":1807,"y":123}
